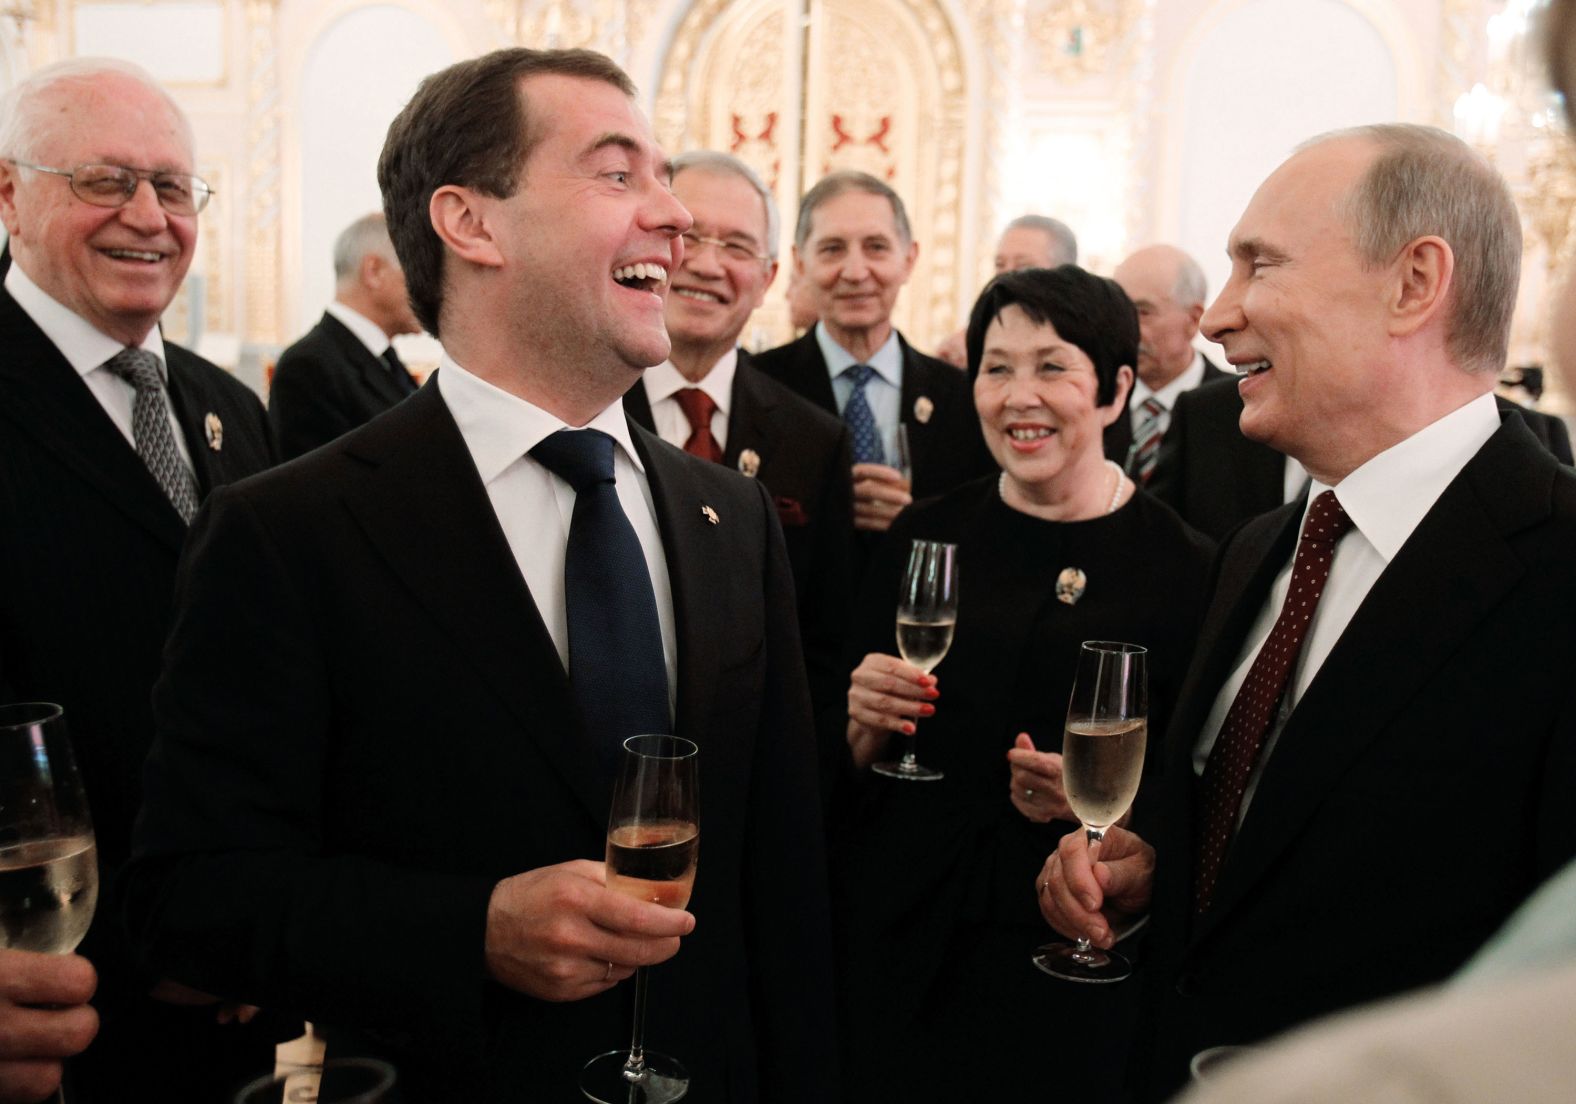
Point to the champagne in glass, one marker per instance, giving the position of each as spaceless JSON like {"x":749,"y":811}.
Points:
{"x":653,"y":840}
{"x":1102,"y":762}
{"x":927,"y":613}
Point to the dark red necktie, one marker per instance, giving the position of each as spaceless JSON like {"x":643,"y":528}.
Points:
{"x":1253,"y":710}
{"x":698,"y":407}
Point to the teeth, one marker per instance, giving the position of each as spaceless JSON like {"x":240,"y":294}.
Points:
{"x":1256,"y":367}
{"x":1029,"y":434}
{"x":133,"y":254}
{"x":696,"y":293}
{"x":641,"y":271}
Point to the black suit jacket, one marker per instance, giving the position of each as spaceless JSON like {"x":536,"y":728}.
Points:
{"x":1119,"y":434}
{"x":1216,"y":478}
{"x":1355,"y":873}
{"x":88,"y":551}
{"x":947,"y":448}
{"x":803,"y":457}
{"x":326,"y":384}
{"x":390,"y":732}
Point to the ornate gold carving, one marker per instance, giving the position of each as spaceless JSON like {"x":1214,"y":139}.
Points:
{"x":1076,"y":37}
{"x":263,"y":286}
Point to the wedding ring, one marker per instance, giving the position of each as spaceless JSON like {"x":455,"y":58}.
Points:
{"x":609,"y":975}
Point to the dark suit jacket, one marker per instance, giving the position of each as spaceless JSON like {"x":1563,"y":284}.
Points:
{"x":803,"y":453}
{"x":947,"y":448}
{"x":88,"y":550}
{"x":364,"y":725}
{"x":1216,"y":478}
{"x":1355,"y":873}
{"x":1119,"y":434}
{"x":326,"y":384}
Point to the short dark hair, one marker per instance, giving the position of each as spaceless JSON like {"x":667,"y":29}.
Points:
{"x":466,"y":125}
{"x":1088,"y":311}
{"x":849,"y":180}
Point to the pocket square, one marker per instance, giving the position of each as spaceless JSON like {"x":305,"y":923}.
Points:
{"x":790,"y":512}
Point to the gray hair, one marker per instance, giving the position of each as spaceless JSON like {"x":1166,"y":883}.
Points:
{"x":368,"y":234}
{"x":23,"y":122}
{"x":1425,"y":181}
{"x":849,"y":180}
{"x":1190,"y":288}
{"x":1064,"y":243}
{"x":725,"y":164}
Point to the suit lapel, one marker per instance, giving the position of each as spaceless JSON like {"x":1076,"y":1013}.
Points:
{"x":49,"y":402}
{"x":750,"y":423}
{"x":372,"y":374}
{"x":1420,"y":611}
{"x":427,"y":513}
{"x":637,"y":405}
{"x":807,"y":373}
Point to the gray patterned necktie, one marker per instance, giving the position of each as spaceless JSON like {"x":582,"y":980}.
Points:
{"x":150,"y":428}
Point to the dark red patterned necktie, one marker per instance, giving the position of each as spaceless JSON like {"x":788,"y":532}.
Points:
{"x":698,"y":407}
{"x":1253,"y":710}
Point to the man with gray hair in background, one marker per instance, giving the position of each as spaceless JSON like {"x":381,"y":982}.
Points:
{"x":1029,"y":241}
{"x":345,"y":371}
{"x":1167,"y":286}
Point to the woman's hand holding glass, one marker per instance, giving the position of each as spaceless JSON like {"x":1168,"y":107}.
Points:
{"x":1035,"y":782}
{"x":885,"y":695}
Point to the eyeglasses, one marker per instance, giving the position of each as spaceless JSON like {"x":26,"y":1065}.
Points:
{"x":733,"y":250}
{"x":114,"y":185}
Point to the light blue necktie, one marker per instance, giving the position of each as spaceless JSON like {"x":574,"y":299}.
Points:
{"x":861,"y":421}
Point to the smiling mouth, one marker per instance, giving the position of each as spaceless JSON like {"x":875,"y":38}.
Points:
{"x":698,"y":294}
{"x":1253,"y":368}
{"x":641,"y":277}
{"x":1030,"y":433}
{"x":145,"y":256}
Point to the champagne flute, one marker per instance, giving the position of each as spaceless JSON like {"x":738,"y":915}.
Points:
{"x":1102,"y":762}
{"x":653,"y":839}
{"x":927,"y":612}
{"x":48,"y":857}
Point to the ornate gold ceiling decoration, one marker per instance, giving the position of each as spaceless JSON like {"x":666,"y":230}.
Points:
{"x":1075,"y":38}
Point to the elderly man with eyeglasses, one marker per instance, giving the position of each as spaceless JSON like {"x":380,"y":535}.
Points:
{"x":110,"y":438}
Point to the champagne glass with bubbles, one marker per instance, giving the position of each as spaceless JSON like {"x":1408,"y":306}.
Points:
{"x":1102,"y":761}
{"x":653,"y":840}
{"x":927,"y":613}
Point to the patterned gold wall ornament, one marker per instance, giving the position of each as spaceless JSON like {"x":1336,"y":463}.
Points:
{"x":263,"y":286}
{"x":1075,"y":38}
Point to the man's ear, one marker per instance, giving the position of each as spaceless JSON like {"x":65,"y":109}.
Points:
{"x":1423,"y":274}
{"x":8,"y":174}
{"x":460,"y":219}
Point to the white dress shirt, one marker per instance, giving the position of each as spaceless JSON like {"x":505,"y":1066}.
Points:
{"x":368,"y":332}
{"x":1190,"y":378}
{"x":535,"y":507}
{"x":884,"y":392}
{"x":664,"y":381}
{"x":87,"y":349}
{"x":1386,"y":499}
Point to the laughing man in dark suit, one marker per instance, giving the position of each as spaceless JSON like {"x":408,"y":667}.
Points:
{"x":709,"y":399}
{"x":345,"y":371}
{"x":1409,"y":663}
{"x":384,"y":806}
{"x":855,"y":251}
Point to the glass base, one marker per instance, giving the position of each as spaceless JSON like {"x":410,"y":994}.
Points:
{"x":1091,"y":965}
{"x":662,"y":1080}
{"x":909,"y":771}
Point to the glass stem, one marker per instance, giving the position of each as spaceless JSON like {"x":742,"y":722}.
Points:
{"x":635,"y":1064}
{"x":909,"y":762}
{"x":1095,"y":835}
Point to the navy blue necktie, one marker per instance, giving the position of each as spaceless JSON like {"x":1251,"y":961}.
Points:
{"x":866,"y":438}
{"x":616,"y":668}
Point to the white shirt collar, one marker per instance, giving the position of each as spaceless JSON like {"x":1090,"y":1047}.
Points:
{"x":368,"y":332}
{"x":84,"y":346}
{"x":500,"y":428}
{"x":1389,"y":495}
{"x":887,"y":360}
{"x":664,"y":380}
{"x":1190,"y":378}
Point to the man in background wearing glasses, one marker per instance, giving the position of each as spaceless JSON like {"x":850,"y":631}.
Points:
{"x":110,"y":437}
{"x":708,"y":399}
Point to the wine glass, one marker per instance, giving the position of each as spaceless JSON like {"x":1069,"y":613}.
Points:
{"x":927,"y":612}
{"x":653,"y":839}
{"x":1102,"y":761}
{"x":48,"y":857}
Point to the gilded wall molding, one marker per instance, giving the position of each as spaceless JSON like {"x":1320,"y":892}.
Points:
{"x":263,"y":293}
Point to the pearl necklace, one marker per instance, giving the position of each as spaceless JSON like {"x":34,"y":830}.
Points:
{"x":1116,"y":488}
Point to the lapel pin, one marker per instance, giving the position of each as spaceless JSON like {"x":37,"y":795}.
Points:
{"x":749,"y":462}
{"x":215,"y":430}
{"x":709,"y":514}
{"x":1070,"y":585}
{"x":923,"y":409}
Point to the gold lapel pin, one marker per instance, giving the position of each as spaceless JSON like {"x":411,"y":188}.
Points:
{"x":215,"y":431}
{"x":923,"y":409}
{"x":749,"y":462}
{"x":709,"y":514}
{"x":1070,"y":585}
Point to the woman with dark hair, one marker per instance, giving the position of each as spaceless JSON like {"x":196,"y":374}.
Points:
{"x":936,"y":881}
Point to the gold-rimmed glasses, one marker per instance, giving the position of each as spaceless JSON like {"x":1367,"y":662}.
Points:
{"x":115,"y":185}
